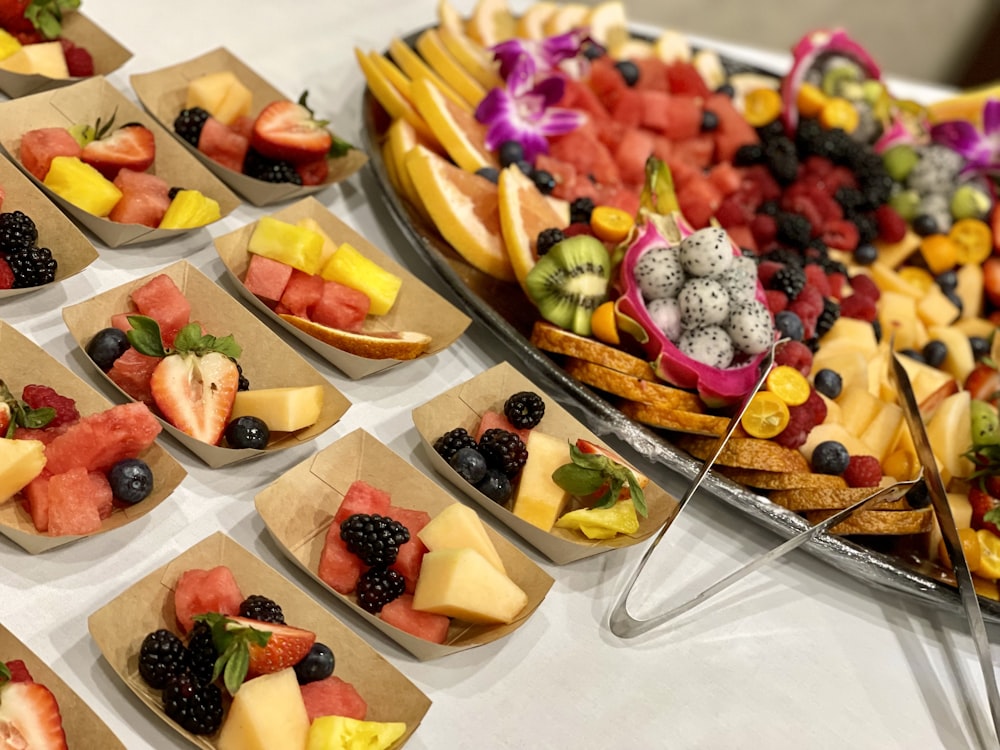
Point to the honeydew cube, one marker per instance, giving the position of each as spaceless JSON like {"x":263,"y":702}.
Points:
{"x":858,"y":408}
{"x":935,"y":309}
{"x":897,"y":313}
{"x":8,"y":44}
{"x":969,"y":288}
{"x":20,"y":462}
{"x":949,"y":434}
{"x":461,"y":583}
{"x":459,"y":526}
{"x":220,"y":94}
{"x":267,"y":713}
{"x":882,"y":431}
{"x":329,"y":246}
{"x":299,"y":247}
{"x":82,"y":185}
{"x":282,"y":409}
{"x":351,"y":268}
{"x":345,"y":733}
{"x":889,"y":281}
{"x":539,"y":500}
{"x":44,"y":59}
{"x":959,"y":361}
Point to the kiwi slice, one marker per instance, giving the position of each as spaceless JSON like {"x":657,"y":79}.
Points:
{"x":985,"y":423}
{"x":570,"y":281}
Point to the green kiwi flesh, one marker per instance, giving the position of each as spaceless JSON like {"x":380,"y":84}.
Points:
{"x":570,"y":281}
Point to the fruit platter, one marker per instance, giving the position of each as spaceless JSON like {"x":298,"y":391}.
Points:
{"x":60,"y":484}
{"x":362,"y":312}
{"x":222,"y":384}
{"x":218,"y":581}
{"x":109,"y":166}
{"x":474,"y":589}
{"x":265,"y":146}
{"x":585,"y":167}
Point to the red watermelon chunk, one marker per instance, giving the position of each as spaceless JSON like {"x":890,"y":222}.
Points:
{"x":102,"y":496}
{"x":333,"y":697}
{"x":743,"y":237}
{"x":653,"y":74}
{"x":243,"y":125}
{"x":361,"y":497}
{"x":725,"y":177}
{"x":698,"y":201}
{"x":98,"y":441}
{"x":39,"y":147}
{"x":696,"y":151}
{"x":164,"y":302}
{"x":72,"y":507}
{"x":199,"y":591}
{"x":628,"y":110}
{"x":37,"y":495}
{"x":733,"y":130}
{"x":338,"y":568}
{"x":632,"y":153}
{"x":606,"y":82}
{"x":624,"y":197}
{"x":340,"y":306}
{"x":411,"y":554}
{"x":583,"y":99}
{"x":302,"y":292}
{"x":401,"y":614}
{"x":684,"y":78}
{"x":145,"y":198}
{"x":131,"y":372}
{"x":655,"y":109}
{"x":267,"y":278}
{"x":223,"y":145}
{"x":587,"y":154}
{"x":120,"y":321}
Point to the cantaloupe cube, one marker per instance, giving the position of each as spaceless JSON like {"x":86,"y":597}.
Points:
{"x":462,"y":583}
{"x":282,"y":409}
{"x":459,"y":526}
{"x":351,"y":268}
{"x":221,"y":94}
{"x":538,"y":500}
{"x":267,"y":713}
{"x":82,"y":185}
{"x":299,"y":247}
{"x":45,"y":59}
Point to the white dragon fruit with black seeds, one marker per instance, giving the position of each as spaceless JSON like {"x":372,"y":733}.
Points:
{"x":740,"y":280}
{"x":750,"y":328}
{"x":666,"y":314}
{"x":707,"y":252}
{"x":703,"y":302}
{"x":659,"y":274}
{"x":709,"y":345}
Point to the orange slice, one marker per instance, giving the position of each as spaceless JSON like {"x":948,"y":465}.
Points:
{"x":411,"y":64}
{"x":607,"y":23}
{"x":974,"y":239}
{"x":766,"y":416}
{"x":464,"y":208}
{"x":611,"y":224}
{"x":567,"y":18}
{"x":461,"y":135}
{"x":394,"y":103}
{"x":491,"y":22}
{"x":989,"y":554}
{"x":531,"y":25}
{"x":524,"y":213}
{"x":429,"y":45}
{"x":393,"y":74}
{"x":788,"y":384}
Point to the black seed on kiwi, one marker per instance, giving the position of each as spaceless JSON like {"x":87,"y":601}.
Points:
{"x":570,"y":281}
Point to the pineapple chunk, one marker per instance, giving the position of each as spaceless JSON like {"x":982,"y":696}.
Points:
{"x":897,"y":312}
{"x":859,"y":333}
{"x":858,"y":408}
{"x":345,"y":733}
{"x":282,"y":409}
{"x":351,"y":268}
{"x":82,"y":185}
{"x":220,"y":94}
{"x":8,"y":44}
{"x":893,"y":254}
{"x":190,"y":209}
{"x":329,"y":246}
{"x":298,"y":247}
{"x":970,"y":289}
{"x":45,"y":59}
{"x":20,"y":462}
{"x":889,"y":281}
{"x":935,"y":309}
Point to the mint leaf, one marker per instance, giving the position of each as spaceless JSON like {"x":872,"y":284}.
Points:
{"x":144,"y":336}
{"x":992,"y":516}
{"x":4,"y":674}
{"x":37,"y":417}
{"x":339,"y":148}
{"x":578,"y":480}
{"x":46,"y":15}
{"x":232,"y":640}
{"x":191,"y":341}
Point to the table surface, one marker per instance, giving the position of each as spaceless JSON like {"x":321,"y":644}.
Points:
{"x":797,"y":655}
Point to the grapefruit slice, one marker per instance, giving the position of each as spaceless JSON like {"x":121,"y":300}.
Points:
{"x":411,"y":64}
{"x":393,"y":74}
{"x":607,"y":23}
{"x":531,"y":25}
{"x":491,"y":22}
{"x":524,"y":212}
{"x":461,"y":135}
{"x":566,"y":18}
{"x":476,"y":60}
{"x":394,"y":103}
{"x":430,"y":46}
{"x":400,"y":138}
{"x":464,"y":208}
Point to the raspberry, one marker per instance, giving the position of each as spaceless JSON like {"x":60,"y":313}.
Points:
{"x":764,"y":229}
{"x":808,"y":306}
{"x":863,"y":285}
{"x":891,"y":226}
{"x":840,"y":234}
{"x":863,"y":471}
{"x":794,"y":354}
{"x":858,"y":306}
{"x":79,"y":62}
{"x":6,"y":275}
{"x":776,"y":300}
{"x":801,"y":420}
{"x":836,"y":281}
{"x":816,"y":277}
{"x":39,"y":396}
{"x":766,"y":271}
{"x":732,"y":212}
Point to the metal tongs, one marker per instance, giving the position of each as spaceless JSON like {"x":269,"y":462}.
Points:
{"x":624,"y":625}
{"x":949,"y":532}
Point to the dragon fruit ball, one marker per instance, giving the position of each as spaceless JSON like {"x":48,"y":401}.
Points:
{"x":740,"y":280}
{"x":750,"y":328}
{"x":666,"y":314}
{"x":709,"y":345}
{"x":707,"y":252}
{"x":703,"y":302}
{"x":658,"y":273}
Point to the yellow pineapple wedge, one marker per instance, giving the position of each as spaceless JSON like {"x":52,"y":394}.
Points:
{"x":190,"y":209}
{"x":299,"y":247}
{"x":82,"y":185}
{"x":221,"y":94}
{"x":351,"y":268}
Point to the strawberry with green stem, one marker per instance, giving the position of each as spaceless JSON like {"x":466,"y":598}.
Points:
{"x":42,"y":17}
{"x":593,"y":472}
{"x":15,"y":413}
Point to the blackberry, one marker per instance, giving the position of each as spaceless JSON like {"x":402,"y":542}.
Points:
{"x":197,"y":708}
{"x":831,"y":311}
{"x":807,"y":137}
{"x":449,"y":444}
{"x":32,"y":266}
{"x":201,"y":653}
{"x":189,"y":123}
{"x":503,"y":450}
{"x":769,"y":208}
{"x":262,"y":609}
{"x":782,"y":159}
{"x":746,"y":155}
{"x":524,"y":409}
{"x":377,"y":587}
{"x":161,"y":656}
{"x":772,"y":131}
{"x":259,"y":167}
{"x":17,"y":231}
{"x":784,"y":255}
{"x":829,"y":265}
{"x":580,"y":210}
{"x":374,"y":538}
{"x":243,"y":384}
{"x":867,"y":227}
{"x":790,"y":280}
{"x":877,"y":189}
{"x":850,"y":199}
{"x":547,"y":239}
{"x":794,"y":230}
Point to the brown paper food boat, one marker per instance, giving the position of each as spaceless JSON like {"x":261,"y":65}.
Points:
{"x":417,"y":308}
{"x":22,"y":362}
{"x":83,"y":727}
{"x":299,"y":507}
{"x":119,"y":627}
{"x":463,"y":405}
{"x":84,"y":102}
{"x":267,"y":361}
{"x":163,"y":93}
{"x":72,"y":251}
{"x":108,"y":56}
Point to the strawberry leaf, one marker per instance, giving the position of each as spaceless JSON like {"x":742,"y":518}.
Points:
{"x":46,"y":15}
{"x":22,"y":415}
{"x":992,"y":516}
{"x":232,"y":640}
{"x":191,"y":340}
{"x":144,"y":336}
{"x":4,"y":674}
{"x":339,"y":148}
{"x":589,"y":472}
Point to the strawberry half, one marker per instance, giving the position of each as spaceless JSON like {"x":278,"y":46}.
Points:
{"x":132,"y":145}
{"x":195,"y":393}
{"x":288,"y":131}
{"x":29,"y":717}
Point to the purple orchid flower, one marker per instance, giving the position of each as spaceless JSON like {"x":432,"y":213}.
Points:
{"x":542,"y":56}
{"x":981,"y":150}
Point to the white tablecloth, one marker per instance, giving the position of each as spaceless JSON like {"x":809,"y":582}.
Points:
{"x":796,"y":656}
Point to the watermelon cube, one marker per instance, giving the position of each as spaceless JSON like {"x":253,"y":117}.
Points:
{"x":333,"y":697}
{"x":733,"y":130}
{"x":362,"y":497}
{"x":267,"y":278}
{"x":302,"y":292}
{"x":131,"y":372}
{"x":223,"y":145}
{"x":587,"y":154}
{"x":494,"y":419}
{"x":102,"y":496}
{"x":684,"y":78}
{"x":411,"y":554}
{"x":652,"y":74}
{"x":243,"y":125}
{"x":580,"y":97}
{"x":39,"y":147}
{"x":37,"y":495}
{"x":629,"y":108}
{"x":606,"y":81}
{"x":164,"y":302}
{"x":100,"y":440}
{"x":696,"y":151}
{"x":683,"y":119}
{"x":655,"y":110}
{"x":401,"y":614}
{"x":631,"y":155}
{"x":698,"y":201}
{"x":340,"y":306}
{"x":120,"y":321}
{"x":338,"y":568}
{"x":145,"y":198}
{"x":199,"y":591}
{"x":72,"y":509}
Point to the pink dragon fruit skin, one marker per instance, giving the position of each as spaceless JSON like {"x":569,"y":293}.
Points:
{"x":715,"y":386}
{"x":805,"y":53}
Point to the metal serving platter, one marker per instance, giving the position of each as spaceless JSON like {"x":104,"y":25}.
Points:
{"x":501,"y":307}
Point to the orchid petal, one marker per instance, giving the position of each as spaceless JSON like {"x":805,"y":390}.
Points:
{"x":557,"y":121}
{"x":495,"y":105}
{"x":550,"y":90}
{"x":555,"y":49}
{"x":958,"y":135}
{"x":521,"y":75}
{"x":509,"y":52}
{"x":991,"y":118}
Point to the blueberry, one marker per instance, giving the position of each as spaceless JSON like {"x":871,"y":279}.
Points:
{"x":918,"y":496}
{"x":980,"y":347}
{"x":107,"y":346}
{"x":830,"y":457}
{"x":247,"y":432}
{"x":496,"y":486}
{"x":947,"y":281}
{"x":470,"y":464}
{"x":543,"y":180}
{"x":865,"y":254}
{"x":490,"y":173}
{"x":912,"y":354}
{"x":510,"y":152}
{"x":525,"y":167}
{"x":789,"y":325}
{"x":925,"y":224}
{"x":629,"y":71}
{"x":828,"y":382}
{"x":316,"y":665}
{"x":709,"y":121}
{"x":952,"y":295}
{"x":592,"y":50}
{"x":934,"y":352}
{"x":131,"y":480}
{"x":727,"y":90}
